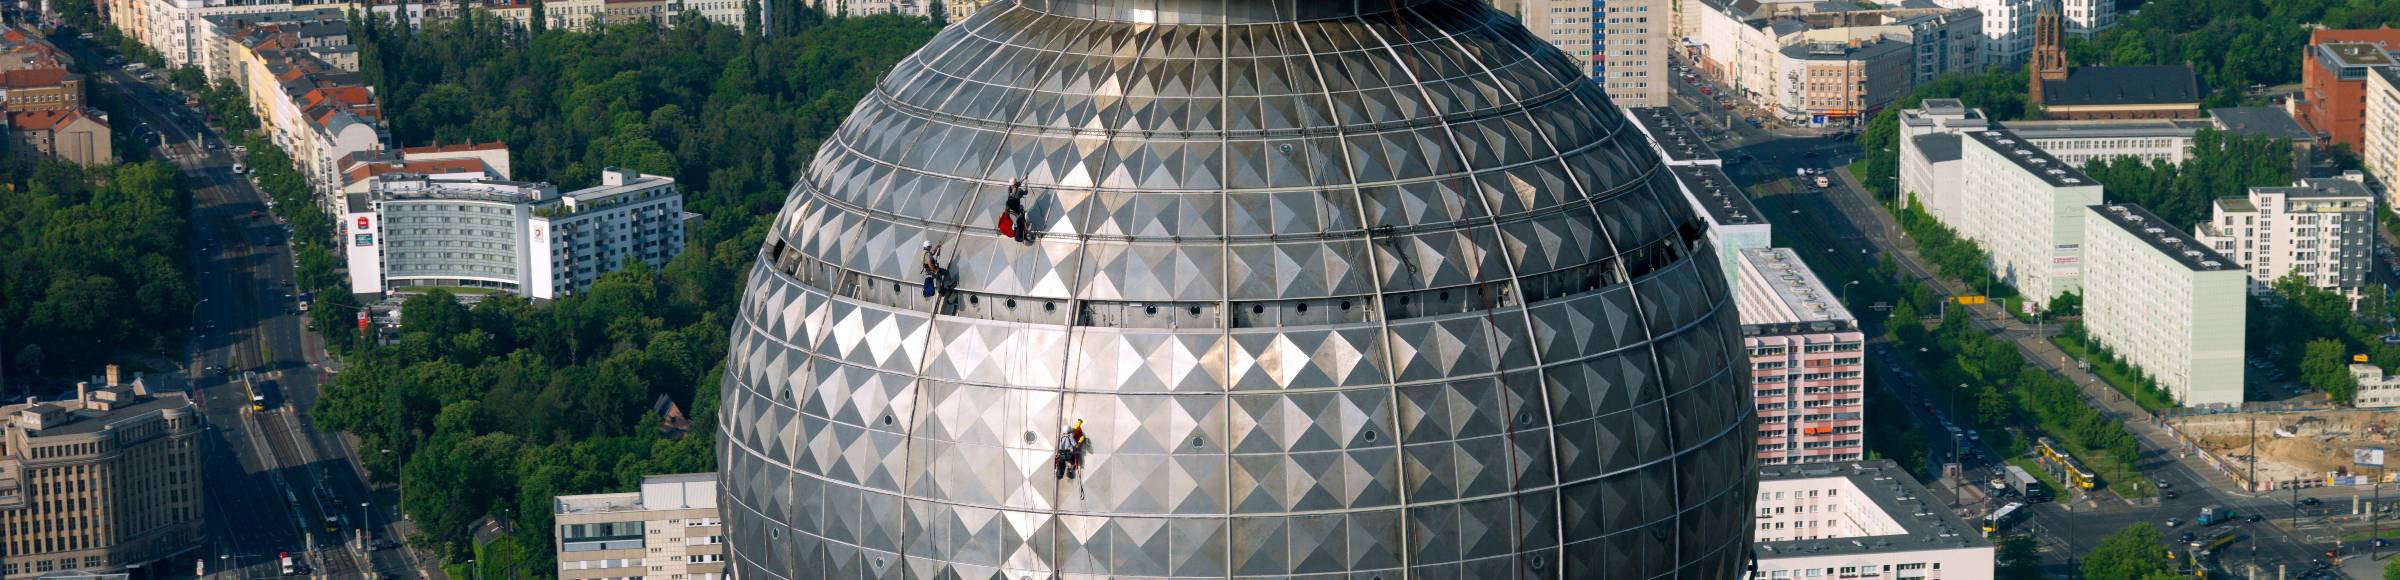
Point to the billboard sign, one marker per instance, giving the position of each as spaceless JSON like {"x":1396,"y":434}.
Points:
{"x":362,"y":222}
{"x":2367,"y":457}
{"x":363,"y":240}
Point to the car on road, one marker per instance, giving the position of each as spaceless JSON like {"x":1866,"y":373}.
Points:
{"x":2174,"y":522}
{"x":381,"y":545}
{"x":2187,"y":537}
{"x":1707,"y":91}
{"x":2310,"y":501}
{"x":2255,"y":518}
{"x":2170,"y":494}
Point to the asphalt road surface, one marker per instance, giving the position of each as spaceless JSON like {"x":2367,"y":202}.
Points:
{"x":272,"y":479}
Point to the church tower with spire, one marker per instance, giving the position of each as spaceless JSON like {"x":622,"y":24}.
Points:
{"x":2049,"y":62}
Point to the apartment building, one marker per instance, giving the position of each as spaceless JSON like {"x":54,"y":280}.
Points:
{"x":1861,"y":519}
{"x":1734,"y":224}
{"x":1929,"y":141}
{"x":2087,"y":18}
{"x":2025,"y":207}
{"x":413,"y":231}
{"x":2166,"y":303}
{"x":2319,"y":229}
{"x":1820,"y":62}
{"x":1842,"y":81}
{"x":669,"y":530}
{"x":317,"y":112}
{"x":2380,"y":150}
{"x":2376,"y":390}
{"x":1929,"y":152}
{"x":1623,"y":44}
{"x":2007,"y":28}
{"x":67,"y":135}
{"x":2333,"y":80}
{"x":321,"y":31}
{"x":443,"y":162}
{"x":102,"y":483}
{"x":1807,"y":367}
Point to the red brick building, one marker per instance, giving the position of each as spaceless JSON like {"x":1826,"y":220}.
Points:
{"x":2333,"y":81}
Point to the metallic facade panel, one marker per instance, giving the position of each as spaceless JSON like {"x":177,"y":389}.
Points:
{"x":1359,"y":289}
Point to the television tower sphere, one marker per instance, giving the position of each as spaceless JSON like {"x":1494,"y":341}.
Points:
{"x":1360,"y":289}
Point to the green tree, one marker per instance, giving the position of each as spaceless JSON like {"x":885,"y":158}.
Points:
{"x":2134,"y":552}
{"x":2325,"y":364}
{"x":2391,"y":570}
{"x":2019,"y":558}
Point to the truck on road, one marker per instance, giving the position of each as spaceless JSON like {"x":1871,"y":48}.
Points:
{"x":2213,"y":515}
{"x":2027,"y":485}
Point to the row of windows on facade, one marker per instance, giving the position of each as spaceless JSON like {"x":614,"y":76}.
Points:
{"x":13,"y":568}
{"x":503,"y":246}
{"x":1809,"y":404}
{"x":1824,"y":390}
{"x":1810,"y":417}
{"x":440,"y":268}
{"x":1777,"y":364}
{"x":1785,"y":432}
{"x":1776,"y":350}
{"x":1836,"y":444}
{"x":1846,"y":571}
{"x":1768,"y":379}
{"x":1826,"y":458}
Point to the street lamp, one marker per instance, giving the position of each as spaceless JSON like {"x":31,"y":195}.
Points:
{"x":1846,"y":290}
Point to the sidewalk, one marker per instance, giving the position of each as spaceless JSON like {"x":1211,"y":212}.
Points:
{"x":2034,"y":344}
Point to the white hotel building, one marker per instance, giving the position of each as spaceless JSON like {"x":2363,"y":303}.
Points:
{"x":2321,"y":229}
{"x":1860,"y":519}
{"x":411,"y":231}
{"x":2166,"y":303}
{"x":2026,"y":209}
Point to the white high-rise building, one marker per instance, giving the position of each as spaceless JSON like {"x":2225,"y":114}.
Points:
{"x":1860,"y":519}
{"x":2007,"y":28}
{"x":2086,"y":18}
{"x":2026,"y":209}
{"x":2381,"y":151}
{"x":2320,"y":229}
{"x":412,"y":231}
{"x":2166,"y":303}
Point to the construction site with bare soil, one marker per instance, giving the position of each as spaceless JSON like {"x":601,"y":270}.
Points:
{"x":2309,"y":446}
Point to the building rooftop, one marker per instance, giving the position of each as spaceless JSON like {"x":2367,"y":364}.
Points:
{"x":99,"y":407}
{"x":658,"y":492}
{"x":1937,"y":147}
{"x":2260,"y":121}
{"x":1926,"y":524}
{"x":2353,"y":54}
{"x":600,"y":503}
{"x":2163,"y":237}
{"x":1855,"y":50}
{"x":1716,"y":193}
{"x":1793,"y":294}
{"x":2123,"y":85}
{"x":1670,"y":135}
{"x":2106,"y":128}
{"x":2031,"y":159}
{"x":2317,"y":187}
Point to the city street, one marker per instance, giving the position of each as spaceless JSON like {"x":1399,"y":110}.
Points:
{"x":274,"y":483}
{"x":1841,"y":229}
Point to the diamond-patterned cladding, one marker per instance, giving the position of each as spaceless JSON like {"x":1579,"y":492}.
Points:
{"x":1338,"y":289}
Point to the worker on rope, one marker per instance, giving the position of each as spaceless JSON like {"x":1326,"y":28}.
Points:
{"x":1071,"y":447}
{"x":1013,"y":222}
{"x":930,"y":258}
